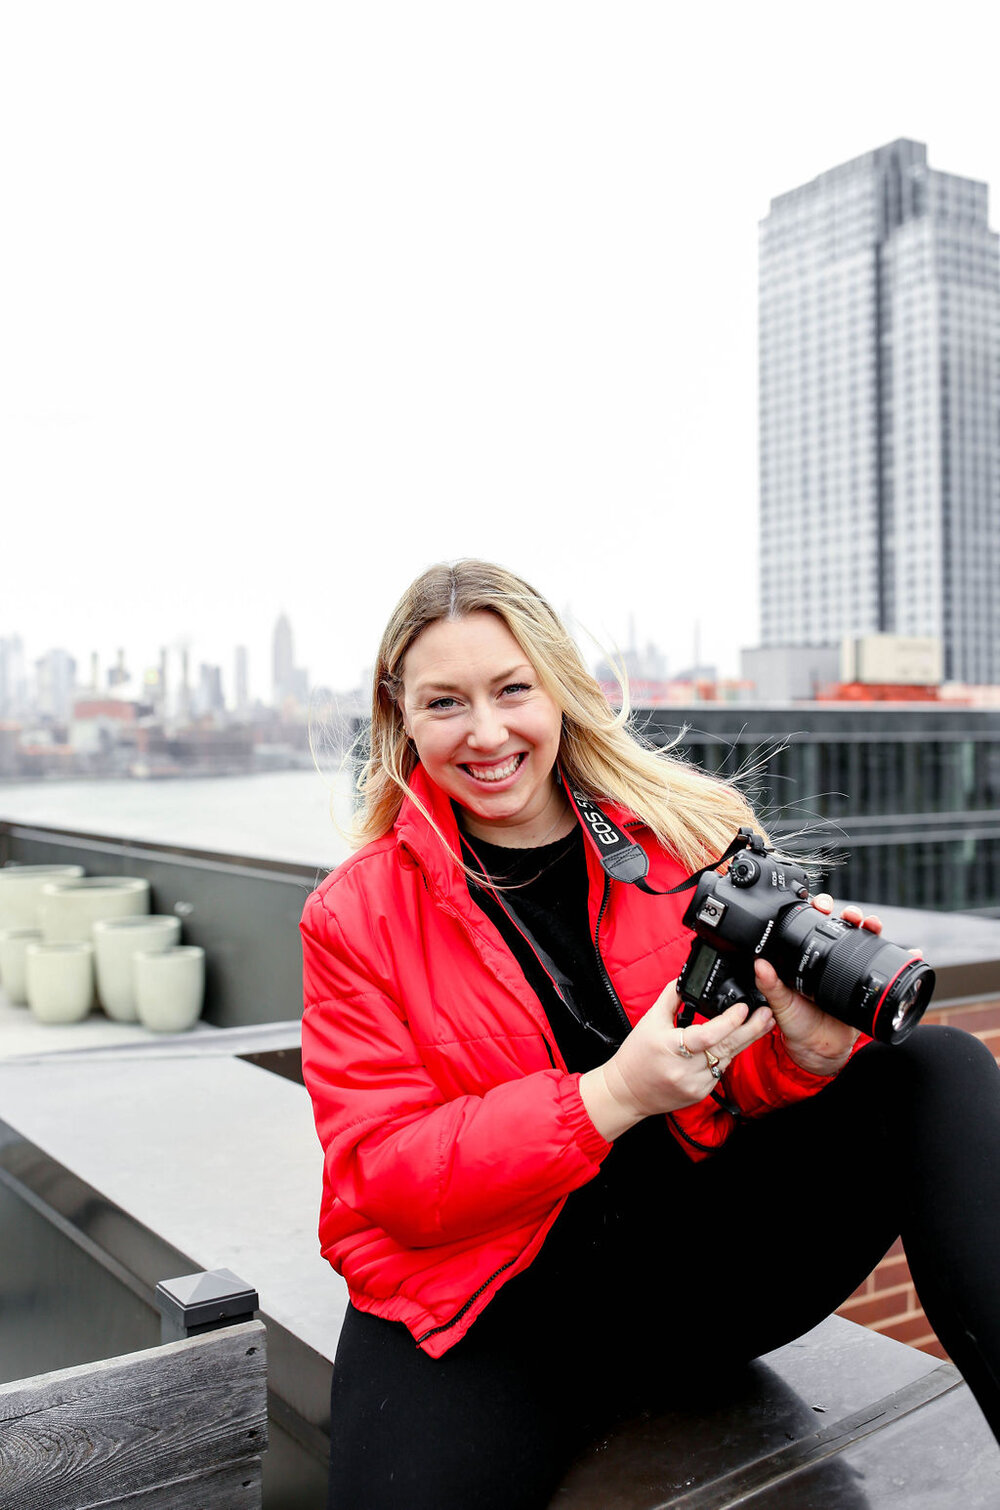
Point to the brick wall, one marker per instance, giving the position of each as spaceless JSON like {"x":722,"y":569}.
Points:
{"x":887,"y":1301}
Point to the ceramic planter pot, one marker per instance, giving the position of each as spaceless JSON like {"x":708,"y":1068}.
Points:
{"x":60,"y":981}
{"x":116,"y":940}
{"x":169,"y":987}
{"x":69,"y":909}
{"x":13,"y":944}
{"x":21,"y":891}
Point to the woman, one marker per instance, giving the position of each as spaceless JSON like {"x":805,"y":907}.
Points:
{"x":552,"y":1205}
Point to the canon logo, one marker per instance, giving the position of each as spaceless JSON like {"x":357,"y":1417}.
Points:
{"x":764,"y":936}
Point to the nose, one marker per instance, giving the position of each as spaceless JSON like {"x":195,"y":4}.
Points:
{"x":488,"y":730}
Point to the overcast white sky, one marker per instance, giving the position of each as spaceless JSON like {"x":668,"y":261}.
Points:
{"x":296,"y":298}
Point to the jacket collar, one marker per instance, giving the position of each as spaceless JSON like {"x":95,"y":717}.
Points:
{"x":416,"y":835}
{"x":419,"y":837}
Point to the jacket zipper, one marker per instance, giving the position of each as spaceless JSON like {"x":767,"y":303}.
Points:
{"x":623,"y":1015}
{"x":678,"y":1129}
{"x":602,"y":968}
{"x":445,"y":1325}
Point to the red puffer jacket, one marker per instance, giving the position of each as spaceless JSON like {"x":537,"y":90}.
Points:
{"x":453,"y":1131}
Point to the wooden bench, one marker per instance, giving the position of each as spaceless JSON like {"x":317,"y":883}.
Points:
{"x":178,"y":1427}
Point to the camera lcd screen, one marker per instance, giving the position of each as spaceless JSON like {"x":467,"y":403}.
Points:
{"x":701,"y":969}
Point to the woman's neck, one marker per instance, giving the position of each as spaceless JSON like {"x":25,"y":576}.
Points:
{"x":555,"y":821}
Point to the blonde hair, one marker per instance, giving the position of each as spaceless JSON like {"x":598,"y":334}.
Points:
{"x":694,"y":814}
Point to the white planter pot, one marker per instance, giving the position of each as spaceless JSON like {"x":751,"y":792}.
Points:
{"x":169,"y":987}
{"x":60,"y":981}
{"x":115,"y":942}
{"x":21,"y":891}
{"x":13,"y":944}
{"x":71,"y":908}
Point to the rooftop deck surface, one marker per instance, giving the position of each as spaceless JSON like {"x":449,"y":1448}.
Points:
{"x":216,"y":1156}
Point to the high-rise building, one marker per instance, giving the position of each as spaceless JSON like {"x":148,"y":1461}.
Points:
{"x":55,"y":674}
{"x":13,"y":677}
{"x":282,"y":660}
{"x":291,"y":682}
{"x":880,"y":411}
{"x":209,"y":697}
{"x":241,"y":679}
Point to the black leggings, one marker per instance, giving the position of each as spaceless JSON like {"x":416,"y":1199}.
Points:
{"x":733,"y":1257}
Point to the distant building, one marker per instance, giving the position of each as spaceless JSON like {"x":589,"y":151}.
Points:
{"x":790,"y":673}
{"x":13,"y":678}
{"x":880,"y":411}
{"x":290,"y":682}
{"x":800,"y":673}
{"x":10,"y":740}
{"x":241,"y":680}
{"x":904,"y":660}
{"x":55,"y":674}
{"x":282,"y":657}
{"x":647,"y":664}
{"x":210,"y":698}
{"x":184,"y":699}
{"x":162,"y":686}
{"x":99,"y":726}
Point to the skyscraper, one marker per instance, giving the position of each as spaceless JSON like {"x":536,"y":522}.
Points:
{"x":880,"y":410}
{"x":290,"y":682}
{"x":282,"y":659}
{"x":242,"y":679}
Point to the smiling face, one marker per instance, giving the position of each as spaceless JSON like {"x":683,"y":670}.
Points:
{"x":486,"y":731}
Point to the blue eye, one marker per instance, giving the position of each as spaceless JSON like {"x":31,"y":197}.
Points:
{"x":518,"y":687}
{"x":442,"y":704}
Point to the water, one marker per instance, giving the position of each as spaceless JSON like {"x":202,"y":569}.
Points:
{"x":283,"y":815}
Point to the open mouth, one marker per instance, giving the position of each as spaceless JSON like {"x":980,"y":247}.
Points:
{"x":501,"y":770}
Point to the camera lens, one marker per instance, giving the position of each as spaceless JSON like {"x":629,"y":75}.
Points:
{"x":915,"y":995}
{"x":852,"y":973}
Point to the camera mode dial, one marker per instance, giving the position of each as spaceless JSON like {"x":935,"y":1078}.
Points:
{"x":744,"y":871}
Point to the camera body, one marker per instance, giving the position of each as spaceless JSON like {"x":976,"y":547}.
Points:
{"x":760,"y":909}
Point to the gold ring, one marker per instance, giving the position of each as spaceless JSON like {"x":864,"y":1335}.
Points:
{"x":713,"y":1061}
{"x":684,"y":1051}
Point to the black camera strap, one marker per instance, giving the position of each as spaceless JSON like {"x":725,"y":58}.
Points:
{"x":560,"y":981}
{"x":622,"y":858}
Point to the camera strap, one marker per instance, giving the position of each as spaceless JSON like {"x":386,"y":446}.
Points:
{"x":622,"y":859}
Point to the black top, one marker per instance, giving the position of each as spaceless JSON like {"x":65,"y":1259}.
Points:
{"x":546,"y":890}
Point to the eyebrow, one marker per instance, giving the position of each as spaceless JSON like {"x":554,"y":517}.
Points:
{"x":422,"y":688}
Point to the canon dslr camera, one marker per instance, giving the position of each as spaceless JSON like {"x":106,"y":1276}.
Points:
{"x":760,"y":909}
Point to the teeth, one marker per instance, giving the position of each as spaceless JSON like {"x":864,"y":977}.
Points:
{"x":495,"y":772}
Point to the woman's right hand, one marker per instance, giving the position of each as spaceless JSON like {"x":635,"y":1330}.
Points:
{"x":650,"y":1074}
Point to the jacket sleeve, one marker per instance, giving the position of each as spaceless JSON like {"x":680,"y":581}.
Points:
{"x":765,"y":1076}
{"x":424,"y":1167}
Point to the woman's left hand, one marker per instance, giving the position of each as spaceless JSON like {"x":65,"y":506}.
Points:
{"x":815,"y":1040}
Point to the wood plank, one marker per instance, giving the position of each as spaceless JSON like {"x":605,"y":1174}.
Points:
{"x":124,"y":1426}
{"x":231,"y":1488}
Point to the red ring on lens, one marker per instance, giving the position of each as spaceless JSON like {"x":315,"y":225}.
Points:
{"x":882,"y":999}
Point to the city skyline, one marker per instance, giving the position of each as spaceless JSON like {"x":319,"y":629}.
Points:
{"x":354,"y":313}
{"x":49,"y":683}
{"x":880,"y":410}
